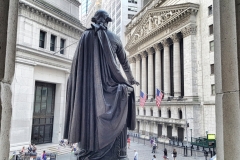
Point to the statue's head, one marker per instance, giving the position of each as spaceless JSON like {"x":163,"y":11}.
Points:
{"x":101,"y":16}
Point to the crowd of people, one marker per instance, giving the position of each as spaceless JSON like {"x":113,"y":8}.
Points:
{"x":154,"y":147}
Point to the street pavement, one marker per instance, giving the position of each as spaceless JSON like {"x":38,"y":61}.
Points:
{"x":145,"y":153}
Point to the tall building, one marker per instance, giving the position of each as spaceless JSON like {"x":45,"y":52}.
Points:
{"x":85,"y":4}
{"x":171,"y":47}
{"x":47,"y":36}
{"x":121,"y":12}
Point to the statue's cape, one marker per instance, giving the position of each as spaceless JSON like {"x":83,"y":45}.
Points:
{"x":97,"y":103}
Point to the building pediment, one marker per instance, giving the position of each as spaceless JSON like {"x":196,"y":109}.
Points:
{"x":157,"y":19}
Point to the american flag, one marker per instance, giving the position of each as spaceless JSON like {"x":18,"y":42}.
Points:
{"x":143,"y":98}
{"x":159,"y":97}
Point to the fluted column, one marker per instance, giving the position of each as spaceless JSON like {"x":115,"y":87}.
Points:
{"x":190,"y":60}
{"x":144,"y":72}
{"x":157,"y":49}
{"x":166,"y":68}
{"x":137,"y":75}
{"x":176,"y":65}
{"x":132,"y":61}
{"x":150,"y":84}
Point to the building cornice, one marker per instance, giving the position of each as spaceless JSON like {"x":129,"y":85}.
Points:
{"x":48,"y":13}
{"x":33,"y":56}
{"x":157,"y":20}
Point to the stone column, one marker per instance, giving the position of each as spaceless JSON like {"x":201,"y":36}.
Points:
{"x":166,"y":68}
{"x":227,"y":69}
{"x":144,"y":72}
{"x":157,"y":49}
{"x":8,"y":34}
{"x":150,"y":84}
{"x":132,"y":61}
{"x":190,"y":60}
{"x":176,"y":66}
{"x":137,"y":75}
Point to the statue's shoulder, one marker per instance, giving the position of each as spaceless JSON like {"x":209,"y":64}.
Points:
{"x":113,"y":37}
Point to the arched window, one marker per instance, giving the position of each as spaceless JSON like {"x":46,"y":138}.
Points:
{"x":159,"y":113}
{"x":144,"y":112}
{"x":151,"y":112}
{"x":169,"y":113}
{"x":180,"y":114}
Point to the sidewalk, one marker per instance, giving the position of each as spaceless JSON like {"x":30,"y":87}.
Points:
{"x":145,"y":153}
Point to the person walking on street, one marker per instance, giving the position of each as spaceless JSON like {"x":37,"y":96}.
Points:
{"x":154,"y":157}
{"x":128,"y":142}
{"x":165,"y":154}
{"x":154,"y":147}
{"x":44,"y":156}
{"x":174,"y":154}
{"x":135,"y":155}
{"x":151,"y":142}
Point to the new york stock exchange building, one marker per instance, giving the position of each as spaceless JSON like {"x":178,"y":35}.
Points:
{"x":170,"y":46}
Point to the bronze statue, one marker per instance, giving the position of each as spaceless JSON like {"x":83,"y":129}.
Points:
{"x":98,"y":108}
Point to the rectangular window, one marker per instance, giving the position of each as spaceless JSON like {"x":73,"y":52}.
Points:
{"x":212,"y":68}
{"x":211,"y":46}
{"x":213,"y":89}
{"x":52,"y":43}
{"x":132,"y":1}
{"x":210,"y":10}
{"x":62,"y":45}
{"x":132,"y":8}
{"x":130,"y":16}
{"x":211,"y":29}
{"x":42,"y":39}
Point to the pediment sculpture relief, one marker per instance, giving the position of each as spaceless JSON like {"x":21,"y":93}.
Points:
{"x":153,"y":21}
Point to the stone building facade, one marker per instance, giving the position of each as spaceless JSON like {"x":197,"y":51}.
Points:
{"x":47,"y":36}
{"x":170,"y":45}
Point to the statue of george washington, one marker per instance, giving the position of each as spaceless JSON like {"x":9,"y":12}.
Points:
{"x":99,"y":106}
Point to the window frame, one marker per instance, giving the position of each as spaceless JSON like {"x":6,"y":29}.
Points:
{"x":210,"y":10}
{"x":211,"y":31}
{"x":212,"y":69}
{"x":213,"y":89}
{"x":54,"y":44}
{"x":42,"y":40}
{"x":62,"y":47}
{"x":211,"y":47}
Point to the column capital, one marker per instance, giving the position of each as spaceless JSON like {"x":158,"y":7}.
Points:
{"x":157,"y":47}
{"x":175,"y":37}
{"x":165,"y":43}
{"x":150,"y":51}
{"x":138,"y":57}
{"x":143,"y":54}
{"x":132,"y":60}
{"x":189,"y":30}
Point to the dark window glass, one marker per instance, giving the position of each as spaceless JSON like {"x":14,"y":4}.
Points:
{"x":211,"y":29}
{"x":130,"y":16}
{"x":62,"y":45}
{"x":42,"y":120}
{"x":159,"y":113}
{"x":169,"y":113}
{"x":151,"y":112}
{"x":212,"y":68}
{"x":132,"y":1}
{"x":36,"y":121}
{"x":138,"y":112}
{"x":52,"y":43}
{"x":180,"y":114}
{"x":42,"y":39}
{"x":210,"y":10}
{"x":144,"y":112}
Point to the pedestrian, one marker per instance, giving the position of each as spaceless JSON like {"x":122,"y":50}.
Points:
{"x":151,"y":142}
{"x":135,"y":155}
{"x":34,"y":148}
{"x":174,"y":154}
{"x":165,"y":154}
{"x":29,"y":148}
{"x":44,"y":156}
{"x":154,"y":147}
{"x":154,"y":157}
{"x":128,"y":142}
